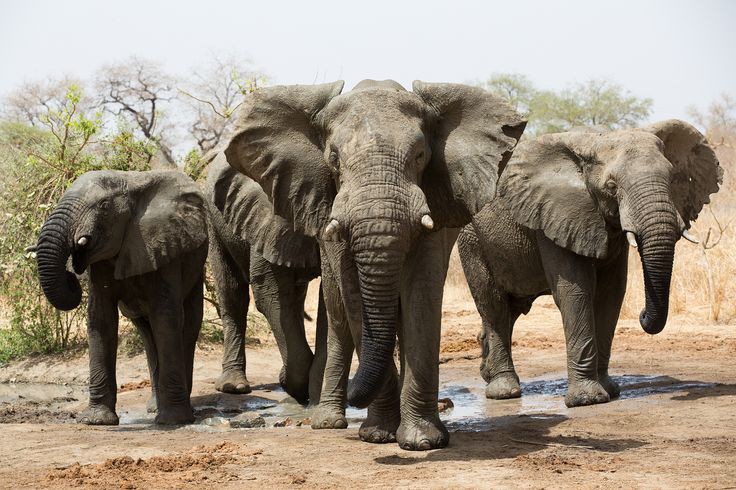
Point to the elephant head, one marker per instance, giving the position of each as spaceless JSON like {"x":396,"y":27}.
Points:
{"x":583,"y":188}
{"x":141,"y":220}
{"x":376,"y":167}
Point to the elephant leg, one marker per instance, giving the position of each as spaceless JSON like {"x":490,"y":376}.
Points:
{"x":609,"y":296}
{"x":497,"y":365}
{"x":419,"y":340}
{"x":330,"y":413}
{"x":102,"y":337}
{"x":232,"y":291}
{"x":280,"y":297}
{"x":167,"y":324}
{"x":193,"y":313}
{"x":144,"y":328}
{"x":572,"y":279}
{"x":317,"y":370}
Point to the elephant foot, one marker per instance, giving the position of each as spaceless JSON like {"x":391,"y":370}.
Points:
{"x":233,"y":382}
{"x":586,"y":392}
{"x":326,"y":417}
{"x":612,"y":388}
{"x":504,"y":386}
{"x":175,"y":415}
{"x":98,"y":415}
{"x":152,"y":404}
{"x":422,"y":434}
{"x":379,"y":428}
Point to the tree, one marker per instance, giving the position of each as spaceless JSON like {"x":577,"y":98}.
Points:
{"x":35,"y":100}
{"x":592,"y":103}
{"x":214,"y":95}
{"x":139,"y":91}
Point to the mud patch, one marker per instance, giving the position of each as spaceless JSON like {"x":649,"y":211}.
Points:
{"x":134,"y":385}
{"x":198,"y":465}
{"x":33,"y":412}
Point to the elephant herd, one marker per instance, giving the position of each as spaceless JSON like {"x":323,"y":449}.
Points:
{"x":370,"y":189}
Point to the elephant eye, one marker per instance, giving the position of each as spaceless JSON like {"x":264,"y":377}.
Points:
{"x":420,"y":156}
{"x":333,"y":159}
{"x":611,"y":186}
{"x":103,"y":205}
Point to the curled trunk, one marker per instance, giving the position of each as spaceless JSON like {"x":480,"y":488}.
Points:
{"x":60,"y":286}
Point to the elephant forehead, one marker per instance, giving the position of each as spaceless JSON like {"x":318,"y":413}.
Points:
{"x":96,"y":181}
{"x":375,"y":103}
{"x":631,"y":143}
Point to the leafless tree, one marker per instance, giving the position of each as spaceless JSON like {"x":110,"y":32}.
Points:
{"x":214,"y":95}
{"x":139,"y":91}
{"x":33,"y":101}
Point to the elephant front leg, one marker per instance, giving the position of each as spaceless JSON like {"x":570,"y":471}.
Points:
{"x":193,"y":313}
{"x":609,"y":296}
{"x":102,"y":337}
{"x":317,"y":369}
{"x":572,"y":279}
{"x":232,"y":291}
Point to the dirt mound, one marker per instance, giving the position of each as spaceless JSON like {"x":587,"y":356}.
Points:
{"x":197,"y":465}
{"x":134,"y":385}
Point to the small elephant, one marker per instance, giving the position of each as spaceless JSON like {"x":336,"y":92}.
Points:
{"x":382,"y":177}
{"x":568,"y":204}
{"x":255,"y":247}
{"x":143,"y":238}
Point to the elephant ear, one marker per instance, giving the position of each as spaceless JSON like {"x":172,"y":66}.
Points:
{"x":278,"y":144}
{"x":697,"y":172}
{"x":544,"y":188}
{"x":169,"y":220}
{"x":473,"y":134}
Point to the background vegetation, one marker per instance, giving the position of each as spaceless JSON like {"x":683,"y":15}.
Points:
{"x":135,"y":116}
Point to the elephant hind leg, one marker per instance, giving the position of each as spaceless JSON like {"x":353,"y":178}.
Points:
{"x":231,"y":285}
{"x":193,"y":313}
{"x":498,"y":317}
{"x":317,"y":369}
{"x":144,"y":329}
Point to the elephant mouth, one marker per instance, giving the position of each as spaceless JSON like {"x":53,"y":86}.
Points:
{"x":80,"y":255}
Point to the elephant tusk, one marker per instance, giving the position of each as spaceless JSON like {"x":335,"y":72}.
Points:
{"x":82,"y":241}
{"x":30,"y":248}
{"x":690,"y":238}
{"x":427,"y":222}
{"x":332,"y":228}
{"x":631,"y":238}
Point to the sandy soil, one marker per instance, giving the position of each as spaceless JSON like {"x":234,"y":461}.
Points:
{"x":674,"y":426}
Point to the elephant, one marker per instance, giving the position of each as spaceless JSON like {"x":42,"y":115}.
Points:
{"x":383,"y":178}
{"x":255,"y":247}
{"x":567,"y":206}
{"x":143,"y":238}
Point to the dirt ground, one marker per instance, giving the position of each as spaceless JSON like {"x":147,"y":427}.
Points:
{"x":674,"y":426}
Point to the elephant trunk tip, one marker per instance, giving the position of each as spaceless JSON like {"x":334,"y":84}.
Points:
{"x":651,"y":325}
{"x":358,"y":394}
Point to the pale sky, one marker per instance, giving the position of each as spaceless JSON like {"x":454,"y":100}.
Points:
{"x":679,"y":53}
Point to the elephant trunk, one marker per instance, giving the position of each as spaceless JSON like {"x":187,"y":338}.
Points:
{"x":657,"y":235}
{"x":380,"y":236}
{"x":60,"y":286}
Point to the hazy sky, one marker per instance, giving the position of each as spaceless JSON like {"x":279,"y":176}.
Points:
{"x":679,"y":53}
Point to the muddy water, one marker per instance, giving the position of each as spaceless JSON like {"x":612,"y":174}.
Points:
{"x":541,"y":397}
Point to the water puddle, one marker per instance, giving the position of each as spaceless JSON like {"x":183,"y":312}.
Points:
{"x":270,"y":406}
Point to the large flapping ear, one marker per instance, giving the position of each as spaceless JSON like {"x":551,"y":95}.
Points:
{"x":473,"y":134}
{"x":697,"y":172}
{"x":249,"y":217}
{"x":544,"y":188}
{"x":278,"y":144}
{"x":169,"y":220}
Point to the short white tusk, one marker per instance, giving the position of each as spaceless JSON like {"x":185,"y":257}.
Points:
{"x":82,"y":241}
{"x":687,"y":236}
{"x":332,"y":228}
{"x":427,"y":222}
{"x":631,"y":238}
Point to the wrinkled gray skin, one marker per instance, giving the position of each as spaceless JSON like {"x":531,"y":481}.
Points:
{"x":361,"y":171}
{"x":143,"y":238}
{"x":260,"y":249}
{"x":559,"y":227}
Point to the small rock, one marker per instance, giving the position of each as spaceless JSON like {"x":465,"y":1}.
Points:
{"x":287,"y":422}
{"x":247,"y":420}
{"x":307,"y":421}
{"x":444,"y":404}
{"x":217,"y":422}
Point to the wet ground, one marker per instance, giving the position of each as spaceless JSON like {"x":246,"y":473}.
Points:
{"x":674,"y":425}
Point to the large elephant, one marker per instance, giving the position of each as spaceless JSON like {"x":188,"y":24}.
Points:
{"x":143,"y":237}
{"x":381,"y":176}
{"x":258,"y":248}
{"x":568,"y":203}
